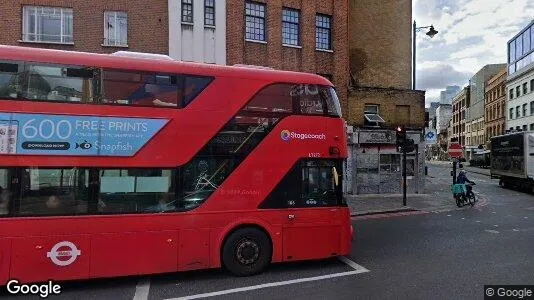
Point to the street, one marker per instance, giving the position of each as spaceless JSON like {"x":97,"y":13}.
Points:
{"x":421,"y":255}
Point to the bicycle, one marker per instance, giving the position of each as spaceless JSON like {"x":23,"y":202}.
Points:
{"x":463,"y":194}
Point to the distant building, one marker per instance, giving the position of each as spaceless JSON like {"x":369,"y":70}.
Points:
{"x":460,"y":103}
{"x":443,"y":116}
{"x":495,"y":105}
{"x":449,"y":93}
{"x":475,"y":126}
{"x":520,"y":81}
{"x":432,"y":114}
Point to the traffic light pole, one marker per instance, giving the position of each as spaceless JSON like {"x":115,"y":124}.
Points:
{"x":404,"y":176}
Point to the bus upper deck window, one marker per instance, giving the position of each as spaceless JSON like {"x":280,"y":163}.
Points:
{"x":10,"y":79}
{"x":332,"y":101}
{"x":59,"y":83}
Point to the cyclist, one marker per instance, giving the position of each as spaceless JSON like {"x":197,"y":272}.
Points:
{"x":462,"y":178}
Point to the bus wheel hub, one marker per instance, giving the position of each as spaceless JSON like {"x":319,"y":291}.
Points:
{"x":247,"y":252}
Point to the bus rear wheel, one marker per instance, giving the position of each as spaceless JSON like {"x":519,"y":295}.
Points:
{"x":247,"y":251}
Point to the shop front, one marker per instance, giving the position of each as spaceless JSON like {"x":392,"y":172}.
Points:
{"x":376,"y":166}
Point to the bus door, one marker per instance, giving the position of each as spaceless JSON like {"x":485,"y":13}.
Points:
{"x":55,"y":257}
{"x":313,"y":227}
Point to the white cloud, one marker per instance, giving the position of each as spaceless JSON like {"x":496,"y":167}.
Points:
{"x":472,"y":33}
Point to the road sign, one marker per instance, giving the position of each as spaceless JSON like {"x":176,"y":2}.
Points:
{"x":431,"y":137}
{"x":455,"y":151}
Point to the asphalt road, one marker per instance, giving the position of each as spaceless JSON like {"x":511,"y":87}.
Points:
{"x":445,"y":255}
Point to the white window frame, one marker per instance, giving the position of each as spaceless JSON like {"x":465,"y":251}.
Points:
{"x":27,"y":9}
{"x":116,"y":42}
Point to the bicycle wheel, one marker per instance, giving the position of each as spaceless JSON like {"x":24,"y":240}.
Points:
{"x":458,"y":200}
{"x":471,"y":197}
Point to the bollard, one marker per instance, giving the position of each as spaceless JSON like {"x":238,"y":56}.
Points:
{"x":426,"y":170}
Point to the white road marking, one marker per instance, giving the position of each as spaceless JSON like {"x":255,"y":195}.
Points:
{"x":491,"y":231}
{"x":352,"y":264}
{"x":525,"y":217}
{"x":357,"y":270}
{"x":515,"y":229}
{"x":478,"y":221}
{"x":495,"y":225}
{"x":448,"y":215}
{"x":142,"y":289}
{"x":463,"y":218}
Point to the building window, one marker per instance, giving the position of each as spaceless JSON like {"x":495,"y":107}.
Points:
{"x":47,"y":24}
{"x":290,"y":26}
{"x":517,"y":112}
{"x":209,"y":12}
{"x":255,"y":21}
{"x":511,"y":94}
{"x":532,"y":127}
{"x":390,"y":163}
{"x":524,"y":110}
{"x":517,"y":91}
{"x":525,"y":88}
{"x":115,"y":28}
{"x":511,"y":113}
{"x":532,"y":85}
{"x":187,"y":11}
{"x":371,"y":116}
{"x":525,"y":128}
{"x":323,"y":32}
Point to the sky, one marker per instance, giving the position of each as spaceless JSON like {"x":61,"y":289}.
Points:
{"x":471,"y":34}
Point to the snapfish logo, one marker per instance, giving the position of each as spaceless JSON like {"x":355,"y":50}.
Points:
{"x":285,"y":135}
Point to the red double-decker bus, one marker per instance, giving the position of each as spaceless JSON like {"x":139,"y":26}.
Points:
{"x":115,"y":165}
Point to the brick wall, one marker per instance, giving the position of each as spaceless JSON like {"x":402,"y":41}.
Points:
{"x":306,"y":58}
{"x":495,"y":104}
{"x":388,"y":101}
{"x":148,"y":25}
{"x":380,"y":43}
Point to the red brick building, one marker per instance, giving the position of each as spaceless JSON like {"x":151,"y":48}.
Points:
{"x":101,"y":26}
{"x":308,"y":36}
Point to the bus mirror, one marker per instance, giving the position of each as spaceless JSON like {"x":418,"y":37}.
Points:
{"x":336,"y":176}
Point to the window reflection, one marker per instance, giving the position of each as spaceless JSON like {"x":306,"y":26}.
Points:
{"x":54,"y":191}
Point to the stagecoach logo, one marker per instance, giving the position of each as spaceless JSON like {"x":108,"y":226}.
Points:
{"x":63,"y":253}
{"x":287,"y":135}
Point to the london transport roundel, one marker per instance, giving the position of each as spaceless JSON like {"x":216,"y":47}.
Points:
{"x":63,"y":250}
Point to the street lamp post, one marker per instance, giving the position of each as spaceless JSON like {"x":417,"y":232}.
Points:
{"x":431,"y":33}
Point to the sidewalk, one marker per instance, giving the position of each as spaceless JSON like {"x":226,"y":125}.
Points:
{"x":437,"y":197}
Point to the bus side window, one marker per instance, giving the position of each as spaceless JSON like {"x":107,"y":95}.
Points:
{"x":54,"y":192}
{"x":52,"y":82}
{"x":136,"y":191}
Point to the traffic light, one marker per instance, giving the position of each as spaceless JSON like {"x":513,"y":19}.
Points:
{"x":401,"y":137}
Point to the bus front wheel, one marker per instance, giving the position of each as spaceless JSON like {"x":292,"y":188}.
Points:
{"x":247,"y":251}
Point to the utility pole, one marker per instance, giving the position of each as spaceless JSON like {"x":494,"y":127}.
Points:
{"x":402,"y":147}
{"x":404,"y":176}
